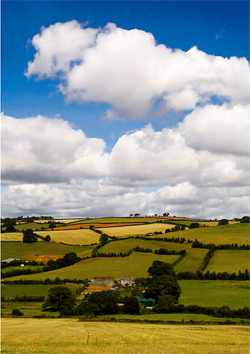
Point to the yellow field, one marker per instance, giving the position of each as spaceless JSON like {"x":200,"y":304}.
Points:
{"x":57,"y":220}
{"x":72,"y":237}
{"x":13,"y":236}
{"x":215,"y":223}
{"x":68,"y":336}
{"x":136,"y":229}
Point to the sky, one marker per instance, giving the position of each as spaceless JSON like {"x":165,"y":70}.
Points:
{"x":122,"y":107}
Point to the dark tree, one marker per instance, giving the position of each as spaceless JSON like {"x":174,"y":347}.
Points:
{"x":16,"y":312}
{"x":106,"y":301}
{"x":87,"y":308}
{"x":47,"y":238}
{"x":194,"y":225}
{"x":163,"y":281}
{"x":29,"y":236}
{"x":131,"y":306}
{"x":245,"y":219}
{"x":103,"y":239}
{"x":222,"y":222}
{"x":59,"y":298}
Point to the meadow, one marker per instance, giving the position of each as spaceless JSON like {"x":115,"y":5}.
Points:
{"x":192,"y":261}
{"x":24,"y":250}
{"x":68,"y":336}
{"x":234,"y":294}
{"x":129,"y":244}
{"x":9,"y":269}
{"x":229,"y":261}
{"x":136,"y":265}
{"x":121,"y":220}
{"x":137,"y":229}
{"x":86,"y":226}
{"x":219,"y":235}
{"x":72,"y":237}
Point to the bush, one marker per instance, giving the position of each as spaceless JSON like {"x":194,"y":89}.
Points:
{"x":194,"y":225}
{"x":16,"y":312}
{"x":222,"y":222}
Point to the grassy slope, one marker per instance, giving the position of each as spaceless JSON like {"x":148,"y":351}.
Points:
{"x":72,"y":237}
{"x":24,"y":250}
{"x":115,"y":220}
{"x":9,"y":269}
{"x":129,"y":244}
{"x":228,"y":234}
{"x":12,"y":290}
{"x":136,"y":265}
{"x":192,"y":261}
{"x":71,"y":336}
{"x":229,"y":261}
{"x":234,"y":294}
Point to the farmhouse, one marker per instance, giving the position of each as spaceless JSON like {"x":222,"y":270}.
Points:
{"x":126,"y":281}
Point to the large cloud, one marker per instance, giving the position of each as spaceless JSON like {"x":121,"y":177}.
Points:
{"x":39,"y":150}
{"x":129,"y":71}
{"x":87,"y":198}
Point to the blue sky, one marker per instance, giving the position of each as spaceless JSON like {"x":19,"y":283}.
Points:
{"x":216,"y":28}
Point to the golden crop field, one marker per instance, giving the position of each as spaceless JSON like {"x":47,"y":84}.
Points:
{"x":13,"y":236}
{"x":215,"y":223}
{"x":42,"y":221}
{"x":136,"y":229}
{"x":72,"y":237}
{"x":68,"y":336}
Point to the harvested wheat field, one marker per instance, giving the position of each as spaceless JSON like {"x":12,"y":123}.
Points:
{"x":72,"y":237}
{"x":138,"y":229}
{"x":13,"y":236}
{"x":68,"y":336}
{"x":86,"y":226}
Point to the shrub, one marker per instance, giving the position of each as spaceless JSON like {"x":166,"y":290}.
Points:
{"x":16,"y":312}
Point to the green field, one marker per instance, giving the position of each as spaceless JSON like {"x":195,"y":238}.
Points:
{"x":32,"y":225}
{"x":68,"y":336}
{"x":12,"y":290}
{"x":129,"y":244}
{"x":136,"y":265}
{"x":219,"y":235}
{"x":24,"y":250}
{"x":116,"y":220}
{"x":192,"y":261}
{"x":234,"y":294}
{"x":122,"y":231}
{"x":10,"y":269}
{"x":229,"y":261}
{"x":29,"y":309}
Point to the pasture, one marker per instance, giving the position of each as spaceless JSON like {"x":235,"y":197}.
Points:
{"x":219,"y":235}
{"x":129,"y":244}
{"x":137,"y":229}
{"x":234,"y":294}
{"x":229,"y":261}
{"x":136,"y":265}
{"x":29,"y":309}
{"x":86,"y":226}
{"x":115,"y":220}
{"x":31,"y":225}
{"x":69,"y":336}
{"x":9,"y":269}
{"x":24,"y":250}
{"x":72,"y":237}
{"x":12,"y":290}
{"x":192,"y":261}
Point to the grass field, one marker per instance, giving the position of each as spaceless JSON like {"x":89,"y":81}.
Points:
{"x":229,"y":261}
{"x":234,"y":294}
{"x":137,"y":230}
{"x":136,"y":265}
{"x":9,"y":269}
{"x":68,"y":336}
{"x":24,"y":250}
{"x":192,"y":261}
{"x":72,"y":237}
{"x":12,"y":290}
{"x":29,"y":309}
{"x":129,"y":244}
{"x":219,"y":235}
{"x":31,"y":225}
{"x":86,"y":226}
{"x":121,"y":220}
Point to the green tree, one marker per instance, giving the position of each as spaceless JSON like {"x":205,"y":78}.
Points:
{"x":131,"y":305}
{"x":222,"y":222}
{"x":47,"y":238}
{"x":163,"y":281}
{"x":106,"y":301}
{"x":103,"y":239}
{"x":29,"y":236}
{"x":194,"y":225}
{"x":59,"y":298}
{"x":16,"y":312}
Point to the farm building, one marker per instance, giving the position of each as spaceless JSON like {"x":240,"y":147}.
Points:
{"x":8,"y":260}
{"x":96,"y":286}
{"x":126,"y":281}
{"x":44,"y":259}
